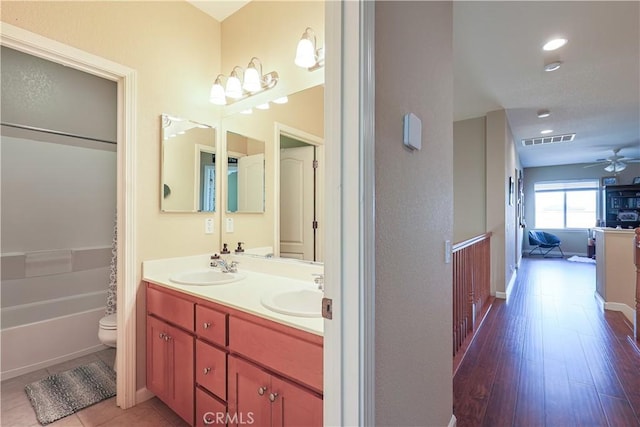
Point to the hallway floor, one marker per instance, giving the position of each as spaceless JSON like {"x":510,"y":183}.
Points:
{"x":550,"y":357}
{"x":17,"y":411}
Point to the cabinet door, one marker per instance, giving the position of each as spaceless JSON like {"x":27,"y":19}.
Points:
{"x":157,"y":362}
{"x":249,"y":388}
{"x":170,"y":366}
{"x":293,"y":406}
{"x":180,"y":371}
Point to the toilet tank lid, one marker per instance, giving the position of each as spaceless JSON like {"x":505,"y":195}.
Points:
{"x":109,"y":321}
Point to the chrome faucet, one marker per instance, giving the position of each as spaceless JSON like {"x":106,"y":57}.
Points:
{"x":319,"y":280}
{"x":225,"y":266}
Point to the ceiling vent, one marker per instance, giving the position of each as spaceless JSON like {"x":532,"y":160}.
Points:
{"x":548,"y":139}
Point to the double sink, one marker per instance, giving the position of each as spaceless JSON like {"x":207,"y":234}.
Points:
{"x":305,"y":302}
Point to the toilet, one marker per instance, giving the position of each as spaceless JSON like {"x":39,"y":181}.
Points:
{"x":108,"y":331}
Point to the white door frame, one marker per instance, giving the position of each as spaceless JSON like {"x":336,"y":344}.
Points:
{"x":51,"y":50}
{"x":349,"y":374}
{"x":316,"y":141}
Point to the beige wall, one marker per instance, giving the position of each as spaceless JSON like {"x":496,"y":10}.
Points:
{"x":175,"y":49}
{"x":414,"y":203}
{"x":469,"y":178}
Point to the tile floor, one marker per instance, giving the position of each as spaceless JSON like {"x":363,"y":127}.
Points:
{"x":16,"y":411}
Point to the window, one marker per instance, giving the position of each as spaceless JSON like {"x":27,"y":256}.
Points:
{"x":566,"y":204}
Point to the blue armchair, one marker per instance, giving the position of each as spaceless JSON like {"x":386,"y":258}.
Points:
{"x":544,"y":243}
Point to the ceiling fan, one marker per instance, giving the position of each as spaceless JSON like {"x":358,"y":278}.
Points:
{"x":615,"y":163}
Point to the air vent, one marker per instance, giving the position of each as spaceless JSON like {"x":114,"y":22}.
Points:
{"x":548,"y":139}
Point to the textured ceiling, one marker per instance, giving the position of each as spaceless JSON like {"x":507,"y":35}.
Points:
{"x":498,"y":61}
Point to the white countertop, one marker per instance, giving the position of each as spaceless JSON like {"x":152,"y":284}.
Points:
{"x":262,"y":276}
{"x":615,"y":230}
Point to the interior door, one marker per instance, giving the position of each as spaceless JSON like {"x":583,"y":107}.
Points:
{"x":297,"y":200}
{"x":251,"y":183}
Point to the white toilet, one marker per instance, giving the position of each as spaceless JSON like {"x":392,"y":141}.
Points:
{"x":108,"y":331}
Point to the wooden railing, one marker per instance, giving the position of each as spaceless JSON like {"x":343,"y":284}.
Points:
{"x":637,"y":260}
{"x":471,"y":288}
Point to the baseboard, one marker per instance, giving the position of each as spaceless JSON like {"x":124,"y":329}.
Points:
{"x":505,"y":295}
{"x":143,"y":394}
{"x":628,"y":312}
{"x":554,"y":254}
{"x":599,"y":300}
{"x":453,"y":422}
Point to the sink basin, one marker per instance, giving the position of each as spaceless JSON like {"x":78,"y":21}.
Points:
{"x":301,"y":303}
{"x":205,"y":277}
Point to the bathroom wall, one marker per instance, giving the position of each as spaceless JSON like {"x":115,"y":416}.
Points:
{"x":175,"y":49}
{"x":275,"y":29}
{"x":414,"y":214}
{"x":58,"y":211}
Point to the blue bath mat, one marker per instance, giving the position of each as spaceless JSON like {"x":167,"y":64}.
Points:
{"x":65,"y":393}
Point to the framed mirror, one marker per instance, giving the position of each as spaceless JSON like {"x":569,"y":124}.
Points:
{"x":245,"y":174}
{"x":188,"y":173}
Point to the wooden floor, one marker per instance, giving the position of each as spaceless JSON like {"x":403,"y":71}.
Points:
{"x":550,"y":357}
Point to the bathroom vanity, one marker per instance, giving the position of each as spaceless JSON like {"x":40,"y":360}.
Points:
{"x":217,"y":356}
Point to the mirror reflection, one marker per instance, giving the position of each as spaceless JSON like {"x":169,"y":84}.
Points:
{"x":188,"y":166}
{"x":245,"y":174}
{"x":289,"y":178}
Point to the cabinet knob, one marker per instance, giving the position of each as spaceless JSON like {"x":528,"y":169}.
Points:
{"x":206,"y":325}
{"x":167,"y":337}
{"x":206,"y":370}
{"x":261,"y":390}
{"x":273,"y":396}
{"x":162,"y":335}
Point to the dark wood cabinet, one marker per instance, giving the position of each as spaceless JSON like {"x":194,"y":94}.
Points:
{"x":622,"y":206}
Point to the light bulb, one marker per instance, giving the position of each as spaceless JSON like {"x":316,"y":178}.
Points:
{"x":234,"y":88}
{"x":252,"y":80}
{"x":305,"y":53}
{"x":217,"y":94}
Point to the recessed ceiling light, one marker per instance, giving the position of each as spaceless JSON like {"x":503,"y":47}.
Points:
{"x":546,"y":131}
{"x":554,"y":44}
{"x":543,"y":114}
{"x":553,"y":66}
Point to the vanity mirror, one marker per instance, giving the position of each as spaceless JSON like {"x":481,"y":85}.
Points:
{"x":288,"y":188}
{"x":245,"y":174}
{"x":188,"y":176}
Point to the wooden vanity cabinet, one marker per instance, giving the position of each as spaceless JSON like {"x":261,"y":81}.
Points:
{"x":269,"y":400}
{"x":170,"y":359}
{"x":208,"y":363}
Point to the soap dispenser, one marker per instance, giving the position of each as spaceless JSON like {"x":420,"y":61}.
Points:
{"x":225,"y":249}
{"x":240,"y":249}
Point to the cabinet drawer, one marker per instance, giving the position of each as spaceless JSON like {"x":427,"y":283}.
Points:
{"x":209,"y":411}
{"x":170,"y":308}
{"x":289,"y":355}
{"x":211,"y":369}
{"x":211,"y":325}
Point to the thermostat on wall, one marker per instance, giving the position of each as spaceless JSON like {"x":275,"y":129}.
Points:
{"x":412,"y":135}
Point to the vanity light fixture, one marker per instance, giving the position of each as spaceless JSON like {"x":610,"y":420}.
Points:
{"x":242,"y":83}
{"x":307,"y":56}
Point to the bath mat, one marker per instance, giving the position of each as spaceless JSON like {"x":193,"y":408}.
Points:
{"x":68,"y":392}
{"x":576,"y":258}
